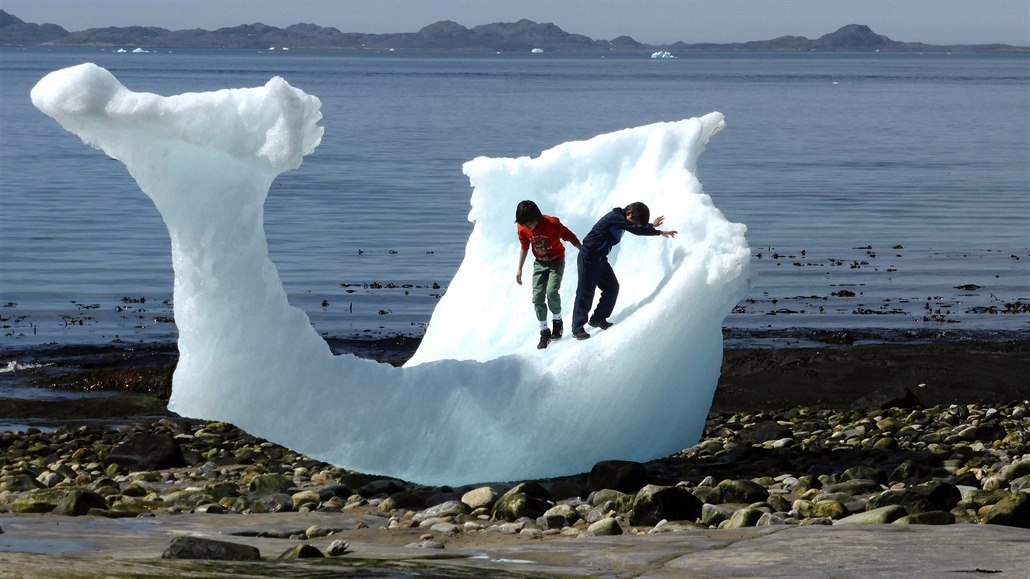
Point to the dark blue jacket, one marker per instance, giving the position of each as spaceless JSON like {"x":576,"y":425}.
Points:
{"x":609,"y":229}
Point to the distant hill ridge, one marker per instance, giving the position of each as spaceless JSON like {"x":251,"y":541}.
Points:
{"x":444,"y":35}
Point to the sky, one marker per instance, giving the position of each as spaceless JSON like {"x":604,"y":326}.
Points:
{"x":647,"y":21}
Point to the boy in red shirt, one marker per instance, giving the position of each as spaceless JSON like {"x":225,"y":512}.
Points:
{"x":545,"y":234}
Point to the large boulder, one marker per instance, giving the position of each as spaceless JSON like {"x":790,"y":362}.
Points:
{"x":200,"y":548}
{"x":147,"y":452}
{"x":742,"y":491}
{"x":1011,"y":511}
{"x":77,"y":502}
{"x":654,"y":503}
{"x":523,"y":500}
{"x":621,"y":475}
{"x":272,"y":483}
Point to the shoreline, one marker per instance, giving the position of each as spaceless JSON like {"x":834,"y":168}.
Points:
{"x":831,"y":375}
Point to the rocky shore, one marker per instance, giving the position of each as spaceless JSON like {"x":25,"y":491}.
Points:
{"x":897,"y":456}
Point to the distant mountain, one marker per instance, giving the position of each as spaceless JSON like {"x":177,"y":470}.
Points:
{"x":523,"y":35}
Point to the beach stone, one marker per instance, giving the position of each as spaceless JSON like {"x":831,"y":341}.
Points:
{"x":622,"y":502}
{"x":604,"y":527}
{"x":829,"y":508}
{"x":403,"y":500}
{"x":654,"y":503}
{"x":918,"y":500}
{"x":927,"y":518}
{"x":200,"y":548}
{"x":860,"y":472}
{"x":275,"y":503}
{"x":303,"y":498}
{"x":20,"y":483}
{"x":1011,"y":511}
{"x":210,"y":508}
{"x":482,"y":497}
{"x":806,"y":483}
{"x":223,"y":490}
{"x":39,"y":501}
{"x":621,"y":475}
{"x":50,"y":479}
{"x":147,"y":452}
{"x":124,"y":509}
{"x":383,"y":486}
{"x":944,"y":496}
{"x":770,"y":519}
{"x":335,"y":490}
{"x":767,"y":430}
{"x":526,"y":499}
{"x":742,"y":518}
{"x":445,"y":528}
{"x":880,"y":516}
{"x":558,"y":516}
{"x":712,"y":515}
{"x":778,"y":503}
{"x":272,"y":483}
{"x":78,"y":502}
{"x":1015,"y":470}
{"x":451,"y":508}
{"x":303,"y":551}
{"x":742,"y":491}
{"x":975,"y":498}
{"x":337,"y":548}
{"x":708,"y":494}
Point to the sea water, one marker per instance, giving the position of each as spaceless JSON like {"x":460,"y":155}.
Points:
{"x":884,"y":194}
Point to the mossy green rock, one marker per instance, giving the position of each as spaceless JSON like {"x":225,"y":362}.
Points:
{"x":742,"y":491}
{"x":77,"y":502}
{"x":39,"y":501}
{"x":523,"y":500}
{"x":832,"y":509}
{"x":267,"y":484}
{"x":742,"y":518}
{"x":622,"y":500}
{"x":1011,"y":511}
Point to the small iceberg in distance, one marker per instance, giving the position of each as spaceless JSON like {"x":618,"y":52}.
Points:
{"x":537,"y":50}
{"x":139,"y":50}
{"x":662,"y":54}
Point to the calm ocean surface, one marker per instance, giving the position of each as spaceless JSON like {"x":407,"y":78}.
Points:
{"x":903,"y":179}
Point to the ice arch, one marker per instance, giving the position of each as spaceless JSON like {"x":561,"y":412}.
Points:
{"x":478,"y":402}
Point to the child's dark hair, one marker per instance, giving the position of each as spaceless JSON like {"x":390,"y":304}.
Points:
{"x":527,"y":212}
{"x":641,"y":214}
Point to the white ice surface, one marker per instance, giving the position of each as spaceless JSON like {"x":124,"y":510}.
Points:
{"x":478,"y":402}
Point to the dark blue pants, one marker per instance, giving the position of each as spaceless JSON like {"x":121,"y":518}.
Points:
{"x":594,"y":273}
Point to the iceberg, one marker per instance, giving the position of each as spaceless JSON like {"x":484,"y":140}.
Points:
{"x":477,"y":402}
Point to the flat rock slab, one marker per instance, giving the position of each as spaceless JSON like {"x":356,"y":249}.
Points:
{"x":87,"y":546}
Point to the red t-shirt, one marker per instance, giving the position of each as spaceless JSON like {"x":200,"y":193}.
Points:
{"x":546,"y":239}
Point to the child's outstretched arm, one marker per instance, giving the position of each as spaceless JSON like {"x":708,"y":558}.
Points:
{"x":658,"y":222}
{"x":522,"y":260}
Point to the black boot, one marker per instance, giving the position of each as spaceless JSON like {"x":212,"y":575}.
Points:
{"x":545,"y":338}
{"x":556,"y":330}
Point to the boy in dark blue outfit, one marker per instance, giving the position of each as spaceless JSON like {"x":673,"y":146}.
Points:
{"x":596,"y":272}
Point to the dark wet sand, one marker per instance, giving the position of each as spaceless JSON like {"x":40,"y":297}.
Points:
{"x":833,"y":377}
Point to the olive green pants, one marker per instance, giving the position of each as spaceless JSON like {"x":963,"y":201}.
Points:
{"x":546,"y":283}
